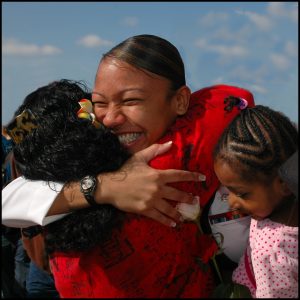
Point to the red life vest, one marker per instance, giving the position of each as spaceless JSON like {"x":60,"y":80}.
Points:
{"x":144,"y":258}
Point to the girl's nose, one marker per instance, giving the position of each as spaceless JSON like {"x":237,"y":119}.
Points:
{"x":233,"y":204}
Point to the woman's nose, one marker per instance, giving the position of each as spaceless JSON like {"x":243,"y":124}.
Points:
{"x":113,"y":117}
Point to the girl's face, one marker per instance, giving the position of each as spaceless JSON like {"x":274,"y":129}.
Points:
{"x":255,"y":198}
{"x":137,"y":106}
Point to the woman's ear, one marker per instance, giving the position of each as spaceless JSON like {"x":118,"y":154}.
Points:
{"x":182,"y":100}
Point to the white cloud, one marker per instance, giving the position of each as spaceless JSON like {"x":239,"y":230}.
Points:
{"x":280,"y":9}
{"x":201,"y":43}
{"x":226,"y":34}
{"x":291,"y":49}
{"x":218,"y":80}
{"x":235,"y":50}
{"x":229,"y":50}
{"x":295,"y":15}
{"x":15,"y":47}
{"x":276,"y":8}
{"x":130,"y":21}
{"x":254,"y":88}
{"x":258,"y":88}
{"x":280,"y":61}
{"x":92,"y":40}
{"x":213,"y":18}
{"x":261,"y":21}
{"x":245,"y":73}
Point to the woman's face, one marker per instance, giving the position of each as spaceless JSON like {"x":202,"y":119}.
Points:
{"x":255,"y":198}
{"x":136,"y":105}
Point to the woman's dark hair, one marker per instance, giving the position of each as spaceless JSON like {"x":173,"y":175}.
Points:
{"x":153,"y":54}
{"x":257,"y":142}
{"x":65,"y":148}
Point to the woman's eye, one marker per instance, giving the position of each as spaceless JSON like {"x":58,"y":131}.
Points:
{"x":99,"y":104}
{"x":131,"y":101}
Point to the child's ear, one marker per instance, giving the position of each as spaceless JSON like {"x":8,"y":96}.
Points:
{"x":182,"y":100}
{"x":283,"y":188}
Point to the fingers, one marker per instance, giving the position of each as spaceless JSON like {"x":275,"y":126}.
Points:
{"x":161,"y":218}
{"x":168,"y":210}
{"x":164,"y":212}
{"x":162,"y":148}
{"x":174,"y":194}
{"x":172,"y":175}
{"x":152,"y":151}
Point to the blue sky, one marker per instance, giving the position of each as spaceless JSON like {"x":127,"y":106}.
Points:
{"x":250,"y":44}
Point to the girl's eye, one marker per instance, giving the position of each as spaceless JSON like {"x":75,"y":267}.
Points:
{"x":242,"y":195}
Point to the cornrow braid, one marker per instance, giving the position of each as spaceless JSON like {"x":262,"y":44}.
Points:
{"x":257,"y":142}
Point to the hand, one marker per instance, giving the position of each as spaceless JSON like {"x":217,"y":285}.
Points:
{"x":138,"y":188}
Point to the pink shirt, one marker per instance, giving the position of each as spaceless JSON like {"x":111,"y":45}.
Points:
{"x":273,"y":260}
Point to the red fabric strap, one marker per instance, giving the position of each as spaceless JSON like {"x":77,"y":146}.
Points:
{"x":249,"y":270}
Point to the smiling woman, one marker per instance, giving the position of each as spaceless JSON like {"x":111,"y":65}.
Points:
{"x":129,"y":113}
{"x":131,"y":88}
{"x":195,"y":124}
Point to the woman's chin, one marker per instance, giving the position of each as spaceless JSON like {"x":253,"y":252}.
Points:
{"x":136,"y":145}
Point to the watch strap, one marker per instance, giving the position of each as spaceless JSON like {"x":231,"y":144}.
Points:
{"x":91,"y":200}
{"x":89,"y":192}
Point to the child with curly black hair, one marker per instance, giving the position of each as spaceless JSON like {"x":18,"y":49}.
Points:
{"x":55,"y":144}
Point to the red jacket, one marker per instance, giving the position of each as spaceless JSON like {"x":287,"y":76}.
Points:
{"x":195,"y":134}
{"x":144,"y":258}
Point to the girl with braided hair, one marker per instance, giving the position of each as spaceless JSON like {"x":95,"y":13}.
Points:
{"x":246,"y":160}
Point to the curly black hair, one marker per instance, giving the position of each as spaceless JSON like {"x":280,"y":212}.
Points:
{"x":64,"y":148}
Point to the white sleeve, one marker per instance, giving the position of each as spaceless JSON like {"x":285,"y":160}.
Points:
{"x":26,"y":203}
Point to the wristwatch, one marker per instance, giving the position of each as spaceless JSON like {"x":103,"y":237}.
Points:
{"x":88,"y":186}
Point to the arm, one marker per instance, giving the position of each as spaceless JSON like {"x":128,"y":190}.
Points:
{"x":26,"y":203}
{"x":135,"y":188}
{"x":276,"y":271}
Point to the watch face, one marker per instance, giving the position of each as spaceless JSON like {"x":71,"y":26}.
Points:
{"x":87,"y":183}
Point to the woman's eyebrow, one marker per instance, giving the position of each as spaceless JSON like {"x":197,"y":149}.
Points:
{"x":123,"y":91}
{"x":97,"y":93}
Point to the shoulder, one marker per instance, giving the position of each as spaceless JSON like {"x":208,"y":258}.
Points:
{"x":276,"y":241}
{"x":215,"y":93}
{"x":207,"y":106}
